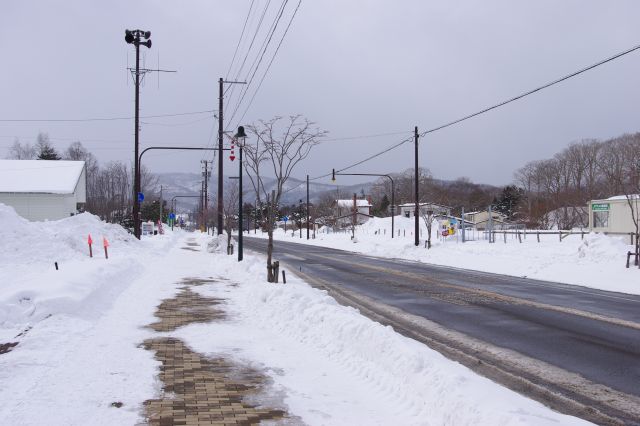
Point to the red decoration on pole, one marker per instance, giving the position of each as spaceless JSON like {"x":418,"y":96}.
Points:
{"x":90,"y":241}
{"x":232,"y":155}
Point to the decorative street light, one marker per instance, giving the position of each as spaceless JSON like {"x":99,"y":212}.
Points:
{"x":134,"y":37}
{"x":241,"y":136}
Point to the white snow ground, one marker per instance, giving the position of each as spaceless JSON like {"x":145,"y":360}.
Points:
{"x":331,"y":365}
{"x":598,"y":261}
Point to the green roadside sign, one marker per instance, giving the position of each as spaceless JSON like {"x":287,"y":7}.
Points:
{"x":600,"y":206}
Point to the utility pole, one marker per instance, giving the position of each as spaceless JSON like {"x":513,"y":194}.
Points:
{"x":201,"y":204}
{"x":134,"y":37}
{"x":490,"y":225}
{"x":417,"y":202}
{"x":221,"y":82}
{"x":307,"y":207}
{"x":160,"y":203}
{"x":220,"y":133}
{"x":463,"y":227}
{"x":206,"y":175}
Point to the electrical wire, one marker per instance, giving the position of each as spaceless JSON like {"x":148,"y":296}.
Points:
{"x":270,"y":63}
{"x":240,"y":39}
{"x":246,"y":56}
{"x":256,"y":64}
{"x":348,"y":138}
{"x":485,"y":110}
{"x":530,"y":92}
{"x":48,"y":120}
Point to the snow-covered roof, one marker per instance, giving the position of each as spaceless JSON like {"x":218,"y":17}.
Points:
{"x":624,"y":197}
{"x":349,"y":203}
{"x":423,"y":204}
{"x":40,"y":176}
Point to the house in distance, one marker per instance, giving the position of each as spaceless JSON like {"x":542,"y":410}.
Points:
{"x":43,"y":189}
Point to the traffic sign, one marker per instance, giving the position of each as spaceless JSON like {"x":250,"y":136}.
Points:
{"x":285,"y":218}
{"x":140,"y":197}
{"x":172,"y":216}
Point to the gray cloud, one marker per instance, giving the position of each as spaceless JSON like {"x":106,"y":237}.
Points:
{"x":356,"y":68}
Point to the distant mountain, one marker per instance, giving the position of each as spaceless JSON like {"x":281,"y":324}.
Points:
{"x":189,"y":184}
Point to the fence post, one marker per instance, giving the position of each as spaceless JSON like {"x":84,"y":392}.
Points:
{"x":538,"y":236}
{"x":519,"y":237}
{"x":504,"y":233}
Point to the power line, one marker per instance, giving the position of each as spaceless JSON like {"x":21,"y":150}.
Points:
{"x":347,"y":138}
{"x":253,"y":39}
{"x":270,"y":62}
{"x":255,"y":66}
{"x":537,"y":89}
{"x":33,"y":120}
{"x":240,"y":39}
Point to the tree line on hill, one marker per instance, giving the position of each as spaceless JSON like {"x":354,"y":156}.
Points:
{"x":545,"y":194}
{"x":556,"y":190}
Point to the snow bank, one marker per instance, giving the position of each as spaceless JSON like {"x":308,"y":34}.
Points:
{"x":39,"y":242}
{"x":598,"y":261}
{"x":78,"y":328}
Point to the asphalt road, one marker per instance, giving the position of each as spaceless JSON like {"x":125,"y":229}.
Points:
{"x":594,"y":334}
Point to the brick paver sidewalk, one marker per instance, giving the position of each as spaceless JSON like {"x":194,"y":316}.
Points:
{"x":198,"y":390}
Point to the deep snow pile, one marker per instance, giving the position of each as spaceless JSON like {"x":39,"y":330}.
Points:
{"x":31,"y":288}
{"x":36,"y":243}
{"x":77,"y":328}
{"x":598,"y":261}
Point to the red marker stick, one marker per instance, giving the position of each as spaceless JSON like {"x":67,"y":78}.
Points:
{"x":90,"y":241}
{"x":105,"y":243}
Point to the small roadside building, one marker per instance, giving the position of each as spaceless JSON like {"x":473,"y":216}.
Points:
{"x":480,"y":219}
{"x":343,"y":212}
{"x":43,"y":189}
{"x":408,"y":209}
{"x":614,"y":214}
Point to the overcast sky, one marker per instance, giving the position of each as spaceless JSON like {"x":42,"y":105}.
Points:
{"x":354,"y":67}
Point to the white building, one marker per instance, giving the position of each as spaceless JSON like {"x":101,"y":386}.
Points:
{"x":43,"y":189}
{"x":408,"y":209}
{"x":343,"y":211}
{"x":480,"y":219}
{"x":613,"y":214}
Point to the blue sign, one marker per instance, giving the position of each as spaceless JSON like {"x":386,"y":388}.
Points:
{"x":140,"y":197}
{"x":285,"y":218}
{"x":172,"y":216}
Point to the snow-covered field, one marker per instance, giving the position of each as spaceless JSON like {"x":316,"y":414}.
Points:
{"x":597,"y":261}
{"x":79,"y":331}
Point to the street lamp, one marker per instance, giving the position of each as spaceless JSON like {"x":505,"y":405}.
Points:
{"x":241,"y":137}
{"x":134,"y":37}
{"x":393,"y":190}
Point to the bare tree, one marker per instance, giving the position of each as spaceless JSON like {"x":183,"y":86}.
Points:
{"x":428,"y":221}
{"x":19,"y":151}
{"x":230,"y":209}
{"x":279,"y":149}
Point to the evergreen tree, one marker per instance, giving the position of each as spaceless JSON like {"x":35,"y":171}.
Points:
{"x":380,"y":209}
{"x":509,"y":201}
{"x":45,"y":150}
{"x":151,"y":211}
